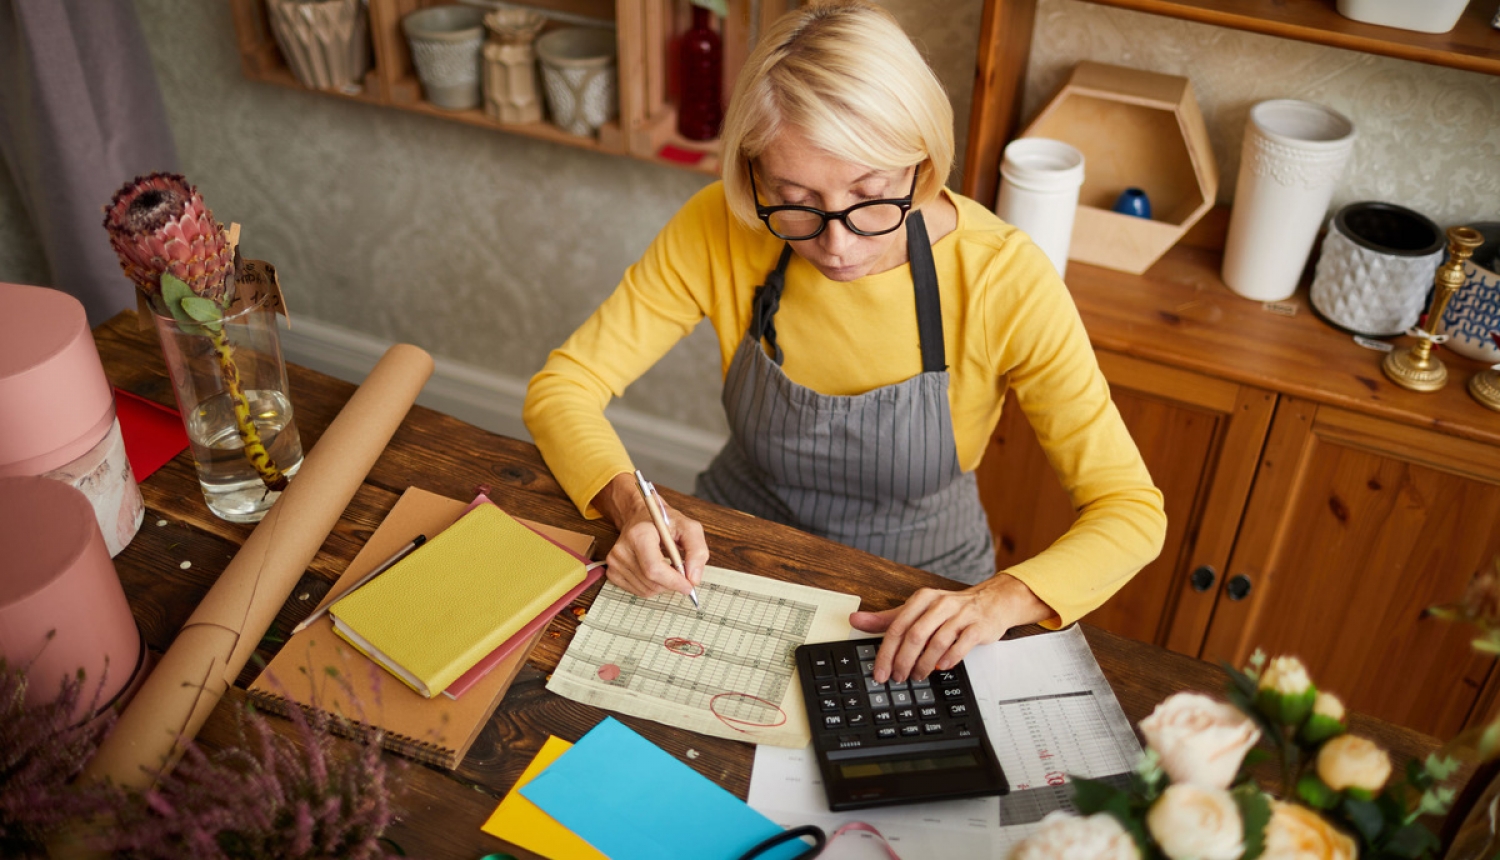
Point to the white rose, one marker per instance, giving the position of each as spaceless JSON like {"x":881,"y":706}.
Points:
{"x":1201,"y":741}
{"x":1328,"y":705}
{"x":1350,"y":761}
{"x":1298,"y":833}
{"x":1285,"y":675}
{"x":1190,"y":822}
{"x":1064,"y":837}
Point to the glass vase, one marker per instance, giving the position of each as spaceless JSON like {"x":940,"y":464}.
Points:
{"x":700,"y":110}
{"x":230,"y":382}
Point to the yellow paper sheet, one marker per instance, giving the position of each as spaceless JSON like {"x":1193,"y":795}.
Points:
{"x":523,"y":824}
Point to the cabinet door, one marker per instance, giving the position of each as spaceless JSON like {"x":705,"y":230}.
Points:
{"x":1201,"y":438}
{"x":1355,"y":526}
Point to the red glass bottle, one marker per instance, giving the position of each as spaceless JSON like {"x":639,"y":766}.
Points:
{"x":700,"y":109}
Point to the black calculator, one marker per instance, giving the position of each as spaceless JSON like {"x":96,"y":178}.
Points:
{"x":884,"y":744}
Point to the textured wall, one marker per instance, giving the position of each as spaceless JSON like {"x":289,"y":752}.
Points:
{"x":487,"y":248}
{"x":1429,"y":137}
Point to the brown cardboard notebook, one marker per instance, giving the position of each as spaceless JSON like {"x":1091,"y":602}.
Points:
{"x":307,"y":668}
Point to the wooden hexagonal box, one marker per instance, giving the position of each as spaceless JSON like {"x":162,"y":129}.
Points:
{"x":1135,"y":129}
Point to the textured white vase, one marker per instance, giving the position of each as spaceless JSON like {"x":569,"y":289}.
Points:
{"x":1293,"y":157}
{"x":1039,"y":184}
{"x":1376,"y":268}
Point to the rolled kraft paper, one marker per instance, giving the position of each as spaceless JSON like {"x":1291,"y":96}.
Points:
{"x":62,"y":609}
{"x":218,"y":639}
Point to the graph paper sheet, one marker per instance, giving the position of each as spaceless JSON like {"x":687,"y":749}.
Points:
{"x":726,"y":671}
{"x":1049,"y":714}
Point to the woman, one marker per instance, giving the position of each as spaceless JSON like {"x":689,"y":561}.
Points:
{"x":870,"y":323}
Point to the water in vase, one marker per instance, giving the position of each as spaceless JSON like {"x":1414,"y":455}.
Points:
{"x":233,"y":489}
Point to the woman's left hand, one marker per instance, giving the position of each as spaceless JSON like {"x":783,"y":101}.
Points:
{"x":934,"y":629}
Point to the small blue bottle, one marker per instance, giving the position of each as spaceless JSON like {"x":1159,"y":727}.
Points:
{"x":1133,"y":201}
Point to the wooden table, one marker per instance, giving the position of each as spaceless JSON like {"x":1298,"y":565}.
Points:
{"x":442,"y":810}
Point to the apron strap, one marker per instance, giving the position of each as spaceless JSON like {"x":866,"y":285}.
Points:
{"x":929,"y":303}
{"x":766,"y":302}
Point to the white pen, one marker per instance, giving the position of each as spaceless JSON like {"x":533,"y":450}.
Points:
{"x":658,"y":511}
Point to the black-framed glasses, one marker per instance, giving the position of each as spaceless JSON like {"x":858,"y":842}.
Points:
{"x":870,"y":218}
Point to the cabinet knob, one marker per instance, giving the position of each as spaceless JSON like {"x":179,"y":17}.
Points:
{"x":1238,"y":586}
{"x":1203,"y":578}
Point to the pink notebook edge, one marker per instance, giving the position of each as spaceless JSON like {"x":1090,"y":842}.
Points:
{"x":488,"y":662}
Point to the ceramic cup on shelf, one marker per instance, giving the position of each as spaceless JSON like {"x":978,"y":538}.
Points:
{"x":326,"y":42}
{"x":1426,"y":16}
{"x":1376,"y":267}
{"x":445,"y":47}
{"x":578,"y":73}
{"x":1293,"y":157}
{"x":1472,"y":318}
{"x":1039,"y":184}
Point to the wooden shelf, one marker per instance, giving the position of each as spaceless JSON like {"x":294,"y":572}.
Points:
{"x":1179,"y":313}
{"x":1473,"y":45}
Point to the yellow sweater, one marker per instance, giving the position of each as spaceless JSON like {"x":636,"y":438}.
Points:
{"x":1008,"y":323}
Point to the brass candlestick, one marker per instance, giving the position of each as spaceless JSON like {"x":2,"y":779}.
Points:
{"x":1484,"y":386}
{"x":1415,"y":368}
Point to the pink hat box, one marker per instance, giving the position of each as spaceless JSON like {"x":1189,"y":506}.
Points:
{"x":62,"y":608}
{"x":57,"y":411}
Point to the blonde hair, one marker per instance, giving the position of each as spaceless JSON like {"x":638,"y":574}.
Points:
{"x":845,"y":74}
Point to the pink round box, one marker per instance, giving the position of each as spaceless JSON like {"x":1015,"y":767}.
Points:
{"x":62,"y":608}
{"x":57,"y":412}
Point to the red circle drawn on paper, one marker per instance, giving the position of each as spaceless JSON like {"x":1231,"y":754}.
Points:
{"x":684,"y":647}
{"x":731,"y":721}
{"x":609,"y":672}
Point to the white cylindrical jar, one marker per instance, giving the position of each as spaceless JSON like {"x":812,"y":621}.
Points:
{"x":1039,"y":183}
{"x":1293,"y":156}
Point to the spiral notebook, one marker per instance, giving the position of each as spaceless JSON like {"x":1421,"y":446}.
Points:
{"x":316,"y":669}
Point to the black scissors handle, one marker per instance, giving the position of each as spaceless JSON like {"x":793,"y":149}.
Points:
{"x":819,"y":840}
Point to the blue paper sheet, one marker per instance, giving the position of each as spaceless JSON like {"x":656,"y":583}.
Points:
{"x":633,"y":801}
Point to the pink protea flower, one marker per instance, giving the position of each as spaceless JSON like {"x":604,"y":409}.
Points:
{"x":159,"y":223}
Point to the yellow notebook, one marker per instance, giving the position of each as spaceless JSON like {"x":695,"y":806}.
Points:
{"x":437,"y":611}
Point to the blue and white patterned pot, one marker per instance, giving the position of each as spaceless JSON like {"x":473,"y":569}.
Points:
{"x":1472,"y":317}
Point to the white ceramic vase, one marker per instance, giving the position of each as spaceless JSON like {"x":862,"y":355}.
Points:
{"x":1039,"y":184}
{"x":445,"y":48}
{"x":1293,"y":157}
{"x":1376,"y":268}
{"x":578,"y":72}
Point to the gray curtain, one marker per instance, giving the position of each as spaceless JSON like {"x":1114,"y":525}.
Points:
{"x":80,"y":114}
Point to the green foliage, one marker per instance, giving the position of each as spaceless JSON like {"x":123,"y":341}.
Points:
{"x":189,"y":308}
{"x":1255,"y":813}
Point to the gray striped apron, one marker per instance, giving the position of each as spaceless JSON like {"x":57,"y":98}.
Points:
{"x":877,"y":471}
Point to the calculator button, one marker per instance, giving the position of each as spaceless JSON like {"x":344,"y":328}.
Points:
{"x":829,"y":704}
{"x":900,"y":697}
{"x":845,"y":665}
{"x":897,"y":685}
{"x":922,"y":684}
{"x":924,"y":697}
{"x":951,"y":694}
{"x":886,"y":733}
{"x":858,"y":720}
{"x":962,"y":730}
{"x":906,"y":715}
{"x":852,"y":702}
{"x":867,"y":667}
{"x":884,"y":716}
{"x":958,"y":709}
{"x":932,"y":728}
{"x":872,"y":685}
{"x":848,"y":685}
{"x":849,"y":742}
{"x":911,"y":731}
{"x":929,"y":712}
{"x":825,"y":688}
{"x":865,"y":651}
{"x":946,"y":676}
{"x":822,"y":665}
{"x":880,"y":700}
{"x":833,"y":721}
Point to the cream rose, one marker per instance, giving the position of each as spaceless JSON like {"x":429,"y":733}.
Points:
{"x":1064,"y":837}
{"x":1298,"y":833}
{"x":1200,"y":740}
{"x":1285,"y":675}
{"x":1328,"y":705}
{"x":1350,"y":761}
{"x":1190,"y":822}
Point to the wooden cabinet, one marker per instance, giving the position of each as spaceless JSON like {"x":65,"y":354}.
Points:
{"x":644,"y":31}
{"x":1314,"y":507}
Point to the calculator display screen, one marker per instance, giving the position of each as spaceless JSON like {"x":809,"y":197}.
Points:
{"x":867,"y":769}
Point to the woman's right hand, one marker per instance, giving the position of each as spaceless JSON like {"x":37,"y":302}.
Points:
{"x":638,"y":562}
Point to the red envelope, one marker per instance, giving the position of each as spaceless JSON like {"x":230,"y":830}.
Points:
{"x":153,"y":433}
